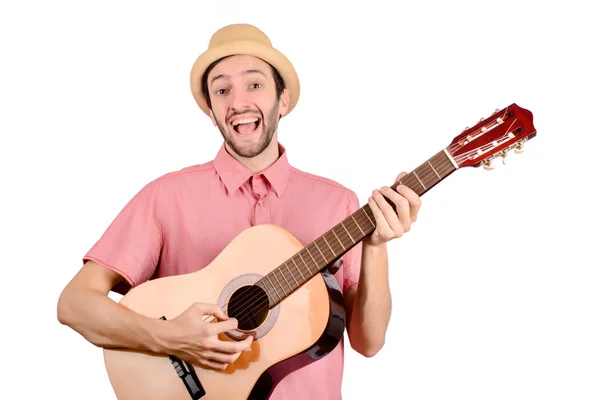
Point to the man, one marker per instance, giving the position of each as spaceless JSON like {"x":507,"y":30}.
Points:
{"x":181,"y":221}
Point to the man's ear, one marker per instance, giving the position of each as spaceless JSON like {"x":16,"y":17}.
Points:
{"x":212,"y":117}
{"x":284,"y":102}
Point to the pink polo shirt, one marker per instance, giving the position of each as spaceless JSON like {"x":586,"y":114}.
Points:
{"x":181,"y":221}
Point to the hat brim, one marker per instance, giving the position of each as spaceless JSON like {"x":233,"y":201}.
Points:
{"x":266,"y":53}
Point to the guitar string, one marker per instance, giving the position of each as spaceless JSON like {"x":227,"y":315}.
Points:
{"x":466,"y":155}
{"x":480,"y":147}
{"x":253,"y":299}
{"x":259,"y":295}
{"x":463,"y":157}
{"x":253,"y":311}
{"x":292,"y":271}
{"x":296,"y":277}
{"x":293,"y":274}
{"x":459,"y":145}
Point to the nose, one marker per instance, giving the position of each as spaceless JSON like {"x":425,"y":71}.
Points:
{"x":240,"y":100}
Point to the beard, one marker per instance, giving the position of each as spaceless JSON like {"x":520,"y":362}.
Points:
{"x":269,"y":126}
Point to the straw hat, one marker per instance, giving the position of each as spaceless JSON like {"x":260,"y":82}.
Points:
{"x":243,"y":39}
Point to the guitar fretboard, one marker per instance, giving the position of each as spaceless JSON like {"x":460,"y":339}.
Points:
{"x":309,"y":261}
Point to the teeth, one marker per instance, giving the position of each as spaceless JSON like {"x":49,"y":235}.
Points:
{"x":244,"y":121}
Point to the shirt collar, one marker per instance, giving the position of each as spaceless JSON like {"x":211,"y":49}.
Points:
{"x":234,"y":174}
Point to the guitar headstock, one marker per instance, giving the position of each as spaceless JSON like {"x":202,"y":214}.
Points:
{"x":492,"y":137}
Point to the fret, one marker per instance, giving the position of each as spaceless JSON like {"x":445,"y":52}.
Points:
{"x":277,"y":279}
{"x":351,"y":238}
{"x":325,"y":259}
{"x":288,"y":268}
{"x":361,"y":231}
{"x":450,"y":158}
{"x":269,"y":298}
{"x":364,"y":229}
{"x":413,"y":185}
{"x":269,"y":279}
{"x":335,"y":244}
{"x":444,"y":160}
{"x":368,"y":217}
{"x":306,"y":265}
{"x":356,"y":230}
{"x":332,"y":252}
{"x":286,"y":281}
{"x":336,"y":236}
{"x":444,"y":166}
{"x":426,"y":175}
{"x":308,"y":251}
{"x":301,"y":274}
{"x":261,"y":284}
{"x":419,"y":179}
{"x":438,"y":175}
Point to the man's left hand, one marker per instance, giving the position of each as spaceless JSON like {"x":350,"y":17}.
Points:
{"x":390,"y":224}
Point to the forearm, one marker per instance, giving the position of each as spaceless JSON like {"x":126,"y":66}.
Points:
{"x":104,"y":323}
{"x":372,"y":303}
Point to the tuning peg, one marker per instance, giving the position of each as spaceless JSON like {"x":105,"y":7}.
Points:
{"x":466,"y":128}
{"x":487,"y":165}
{"x":519,"y":149}
{"x":503,"y":154}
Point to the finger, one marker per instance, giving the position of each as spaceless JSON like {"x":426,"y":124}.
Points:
{"x":380,"y":221}
{"x":230,"y":347}
{"x":224,"y":326}
{"x":414,"y":200}
{"x":403,"y":213}
{"x":217,"y":356}
{"x":391,"y":216}
{"x":400,"y":176}
{"x":211,"y":309}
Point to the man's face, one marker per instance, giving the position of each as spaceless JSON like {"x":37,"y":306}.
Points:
{"x":244,"y":103}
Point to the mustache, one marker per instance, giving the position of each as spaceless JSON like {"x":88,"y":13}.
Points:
{"x":236,"y":113}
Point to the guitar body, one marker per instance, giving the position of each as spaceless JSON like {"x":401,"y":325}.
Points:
{"x":304,"y":327}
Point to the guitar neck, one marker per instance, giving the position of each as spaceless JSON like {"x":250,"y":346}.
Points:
{"x":329,"y":247}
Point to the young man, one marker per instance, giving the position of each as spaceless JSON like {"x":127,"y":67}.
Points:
{"x":181,"y":221}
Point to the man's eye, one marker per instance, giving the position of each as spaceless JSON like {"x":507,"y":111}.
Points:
{"x":255,"y":86}
{"x":221,"y":91}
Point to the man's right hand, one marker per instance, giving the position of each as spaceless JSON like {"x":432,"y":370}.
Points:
{"x":190,"y":338}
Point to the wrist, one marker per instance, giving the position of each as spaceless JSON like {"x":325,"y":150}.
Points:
{"x":155,"y":335}
{"x":370,"y":244}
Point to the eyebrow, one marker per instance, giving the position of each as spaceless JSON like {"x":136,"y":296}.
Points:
{"x":247,"y":72}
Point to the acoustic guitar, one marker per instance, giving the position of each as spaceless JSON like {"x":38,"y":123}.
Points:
{"x":282,"y":293}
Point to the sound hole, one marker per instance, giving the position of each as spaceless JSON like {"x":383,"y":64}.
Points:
{"x":250,"y":306}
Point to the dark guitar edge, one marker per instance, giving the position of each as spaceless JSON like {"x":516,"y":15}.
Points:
{"x":331,"y":336}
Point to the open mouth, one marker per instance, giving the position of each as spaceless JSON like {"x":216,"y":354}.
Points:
{"x":246,"y":126}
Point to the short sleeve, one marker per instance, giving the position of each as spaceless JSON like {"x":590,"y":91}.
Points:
{"x":132,"y":243}
{"x":353,"y":258}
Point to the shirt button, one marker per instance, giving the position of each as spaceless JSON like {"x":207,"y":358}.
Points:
{"x":260,"y":202}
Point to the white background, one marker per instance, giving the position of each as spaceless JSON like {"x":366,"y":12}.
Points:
{"x":495,"y":290}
